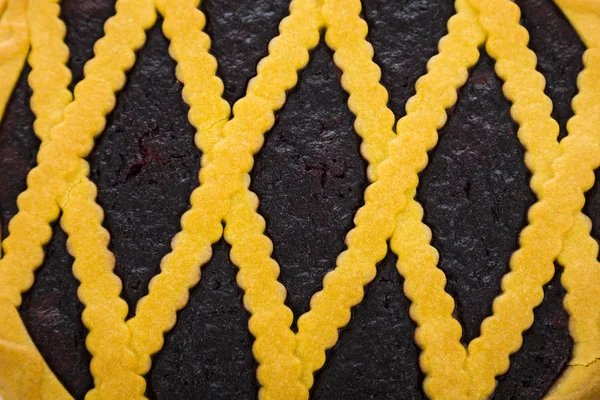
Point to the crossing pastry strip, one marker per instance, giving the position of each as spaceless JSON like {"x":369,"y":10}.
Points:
{"x":579,"y":256}
{"x":202,"y":89}
{"x":343,"y":287}
{"x":438,"y":333}
{"x":532,"y":265}
{"x":560,"y":194}
{"x":538,"y":132}
{"x":60,"y":179}
{"x":223,"y":195}
{"x":31,"y":378}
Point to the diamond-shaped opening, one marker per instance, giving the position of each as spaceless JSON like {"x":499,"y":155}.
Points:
{"x":145,"y":165}
{"x":310,"y":177}
{"x":475,"y":193}
{"x":214,"y":323}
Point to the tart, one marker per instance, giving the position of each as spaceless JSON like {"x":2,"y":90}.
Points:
{"x":184,"y":167}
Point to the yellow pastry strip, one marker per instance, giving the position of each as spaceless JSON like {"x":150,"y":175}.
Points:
{"x":581,"y":278}
{"x":60,"y":177}
{"x":396,"y":178}
{"x":538,"y":131}
{"x":14,"y":46}
{"x":560,"y":193}
{"x":538,"y":134}
{"x":432,"y":307}
{"x":579,"y":256}
{"x":113,"y":363}
{"x":196,"y":69}
{"x":31,"y":377}
{"x":438,"y":332}
{"x":279,"y":370}
{"x":29,"y":229}
{"x":222,"y":196}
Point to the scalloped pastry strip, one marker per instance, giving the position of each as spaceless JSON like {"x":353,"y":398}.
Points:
{"x":49,"y":78}
{"x":532,"y":265}
{"x":346,"y":34}
{"x":396,"y":176}
{"x":60,"y":178}
{"x":31,"y":377}
{"x":202,"y":89}
{"x":538,"y":132}
{"x":579,"y":256}
{"x":113,"y":363}
{"x":223,"y":195}
{"x":560,"y":196}
{"x":438,"y":332}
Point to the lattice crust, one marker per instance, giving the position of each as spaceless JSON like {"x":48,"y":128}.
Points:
{"x":14,"y":46}
{"x":121,"y":350}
